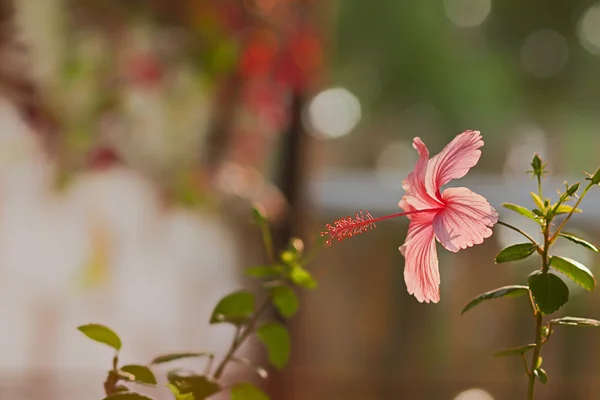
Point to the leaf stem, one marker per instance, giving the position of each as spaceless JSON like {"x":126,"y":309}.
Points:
{"x":268,"y":242}
{"x":525,"y":364}
{"x":532,"y":303}
{"x":209,"y":363}
{"x":522,"y":232}
{"x":240,"y":337}
{"x":562,"y":225}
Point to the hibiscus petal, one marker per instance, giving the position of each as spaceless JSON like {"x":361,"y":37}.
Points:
{"x":421,"y":272}
{"x":453,"y":162}
{"x":416,"y":178}
{"x":416,"y":196}
{"x":465,"y":221}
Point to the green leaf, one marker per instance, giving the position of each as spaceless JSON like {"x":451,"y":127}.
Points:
{"x":261,"y":272}
{"x":578,"y":240}
{"x":200,"y":386}
{"x":536,"y":164}
{"x":506,"y":291}
{"x":236,"y":307}
{"x":285,"y":300}
{"x":538,"y":202}
{"x":574,"y":270}
{"x":122,"y":389}
{"x":565,"y":209}
{"x":102,"y":334}
{"x":293,"y":252}
{"x":247,"y":391}
{"x":540,"y":374}
{"x":276,"y":339}
{"x":177,"y":394}
{"x":302,"y":277}
{"x":127,"y":396}
{"x":576,"y":321}
{"x":126,"y":376}
{"x":165,"y":358}
{"x":515,"y":252}
{"x":595,"y":178}
{"x":548,"y":290}
{"x":515,"y":351}
{"x":141,"y":373}
{"x":174,"y":389}
{"x":288,"y":257}
{"x":521,"y":210}
{"x":573,"y":189}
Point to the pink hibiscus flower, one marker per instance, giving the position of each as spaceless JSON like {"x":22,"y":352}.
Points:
{"x":457,"y":217}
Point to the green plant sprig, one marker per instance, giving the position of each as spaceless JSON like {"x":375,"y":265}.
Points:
{"x":280,"y":279}
{"x":546,"y":290}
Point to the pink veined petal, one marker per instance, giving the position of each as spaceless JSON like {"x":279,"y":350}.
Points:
{"x":421,"y":272}
{"x":453,"y":162}
{"x":465,"y":221}
{"x":403,"y":204}
{"x":416,"y":196}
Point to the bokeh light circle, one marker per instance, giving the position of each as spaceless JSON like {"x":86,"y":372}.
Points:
{"x":588,"y":29}
{"x":474,"y":394}
{"x":545,"y":53}
{"x":467,"y":13}
{"x":333,"y":113}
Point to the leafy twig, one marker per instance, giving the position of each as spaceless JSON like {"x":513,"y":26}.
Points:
{"x":240,"y":338}
{"x":562,"y":225}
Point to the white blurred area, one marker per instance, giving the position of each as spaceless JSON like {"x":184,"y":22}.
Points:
{"x":474,"y":394}
{"x":527,"y":139}
{"x":164,"y":270}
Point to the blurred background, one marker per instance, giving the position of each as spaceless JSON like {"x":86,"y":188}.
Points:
{"x":135,"y":135}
